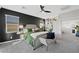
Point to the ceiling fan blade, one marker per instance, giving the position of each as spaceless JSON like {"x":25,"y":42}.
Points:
{"x":48,"y":11}
{"x":42,"y":8}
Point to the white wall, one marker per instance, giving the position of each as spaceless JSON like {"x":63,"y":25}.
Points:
{"x":57,"y":28}
{"x":69,"y":20}
{"x":67,"y":26}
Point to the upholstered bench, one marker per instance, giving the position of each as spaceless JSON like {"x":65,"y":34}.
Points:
{"x":46,"y":39}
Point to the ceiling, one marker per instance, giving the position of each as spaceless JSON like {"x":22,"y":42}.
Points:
{"x":34,"y":10}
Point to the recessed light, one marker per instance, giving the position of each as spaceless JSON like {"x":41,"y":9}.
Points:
{"x":23,"y":7}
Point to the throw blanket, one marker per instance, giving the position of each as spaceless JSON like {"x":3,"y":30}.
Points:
{"x":29,"y":39}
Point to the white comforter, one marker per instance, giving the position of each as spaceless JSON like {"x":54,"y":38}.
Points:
{"x":35,"y":35}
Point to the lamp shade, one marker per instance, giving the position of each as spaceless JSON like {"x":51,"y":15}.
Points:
{"x":21,"y":26}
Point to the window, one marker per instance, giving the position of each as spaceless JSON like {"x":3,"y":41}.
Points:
{"x":12,"y":23}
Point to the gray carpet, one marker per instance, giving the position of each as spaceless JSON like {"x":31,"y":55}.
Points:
{"x":68,"y":44}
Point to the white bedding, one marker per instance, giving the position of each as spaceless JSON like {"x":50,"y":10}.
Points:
{"x":35,"y":35}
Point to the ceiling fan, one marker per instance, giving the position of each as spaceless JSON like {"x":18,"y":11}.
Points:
{"x":42,"y":9}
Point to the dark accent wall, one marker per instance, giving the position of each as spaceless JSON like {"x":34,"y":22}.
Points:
{"x":2,"y":27}
{"x":23,"y":19}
